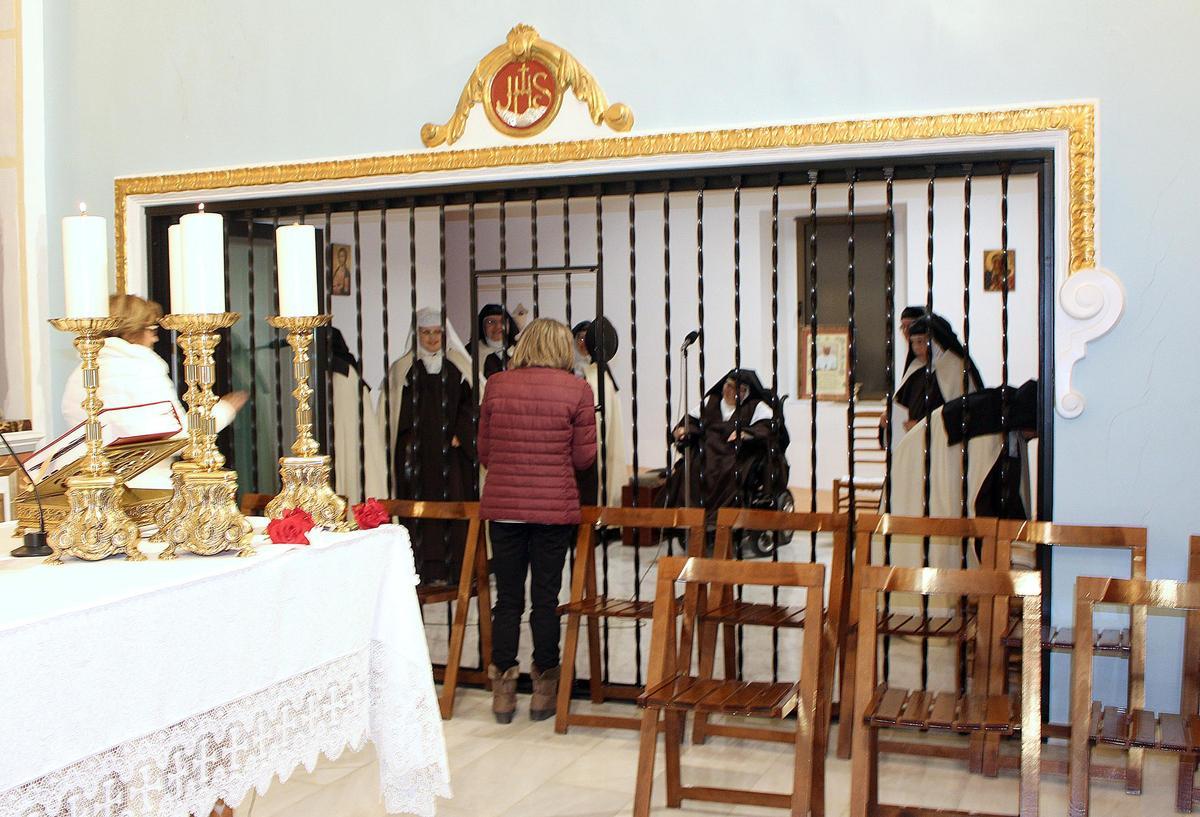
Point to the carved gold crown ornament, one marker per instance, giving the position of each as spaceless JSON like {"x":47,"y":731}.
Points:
{"x":202,"y":516}
{"x":96,"y":525}
{"x":521,"y":86}
{"x":305,"y":475}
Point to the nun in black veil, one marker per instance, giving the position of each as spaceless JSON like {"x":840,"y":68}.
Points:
{"x":736,"y":404}
{"x":495,"y":336}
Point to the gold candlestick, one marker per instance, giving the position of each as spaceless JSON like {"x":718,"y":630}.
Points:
{"x":96,"y":526}
{"x":305,"y":476}
{"x":202,"y":516}
{"x":186,"y":463}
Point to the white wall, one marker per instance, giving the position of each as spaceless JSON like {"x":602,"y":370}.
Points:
{"x":140,"y":86}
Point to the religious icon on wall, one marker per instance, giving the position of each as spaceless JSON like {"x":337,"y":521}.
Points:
{"x":341,"y":269}
{"x":831,"y":365}
{"x":993,"y":270}
{"x":521,"y":86}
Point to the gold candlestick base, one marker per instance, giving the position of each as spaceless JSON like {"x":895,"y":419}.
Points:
{"x":173,"y":509}
{"x":96,"y":527}
{"x":306,"y":486}
{"x":210,"y":522}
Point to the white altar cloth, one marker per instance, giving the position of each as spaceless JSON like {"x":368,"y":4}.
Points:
{"x":153,"y":689}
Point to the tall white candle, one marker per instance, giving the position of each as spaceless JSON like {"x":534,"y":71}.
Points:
{"x":297,"y":248}
{"x":202,"y":240}
{"x":85,"y":265}
{"x":175,"y":255}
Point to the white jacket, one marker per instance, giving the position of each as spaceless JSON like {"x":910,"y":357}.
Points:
{"x":132,"y":375}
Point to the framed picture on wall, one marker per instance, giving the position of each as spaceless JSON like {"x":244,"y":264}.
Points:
{"x":993,"y":270}
{"x":341,"y":269}
{"x":832,"y":362}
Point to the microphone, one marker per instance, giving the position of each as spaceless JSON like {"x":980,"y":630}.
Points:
{"x":35,"y":541}
{"x":691,"y":338}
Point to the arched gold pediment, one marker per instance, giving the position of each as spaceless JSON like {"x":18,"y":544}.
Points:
{"x":521,"y":86}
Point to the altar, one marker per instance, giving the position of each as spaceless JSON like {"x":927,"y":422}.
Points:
{"x":158,"y":688}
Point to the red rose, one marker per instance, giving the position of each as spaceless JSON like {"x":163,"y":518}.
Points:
{"x":370,"y":514}
{"x":290,"y":529}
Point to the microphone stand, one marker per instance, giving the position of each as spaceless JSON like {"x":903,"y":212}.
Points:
{"x":35,"y":541}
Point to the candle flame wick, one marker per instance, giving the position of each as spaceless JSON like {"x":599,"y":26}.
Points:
{"x":83,"y":208}
{"x":202,"y":207}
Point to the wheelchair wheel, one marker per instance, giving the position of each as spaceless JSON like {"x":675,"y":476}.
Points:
{"x":766,"y":542}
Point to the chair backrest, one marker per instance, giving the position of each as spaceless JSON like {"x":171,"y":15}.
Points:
{"x":1081,"y":536}
{"x":420,"y":509}
{"x":699,"y":575}
{"x":869,"y":526}
{"x":689,"y":519}
{"x":754,"y":519}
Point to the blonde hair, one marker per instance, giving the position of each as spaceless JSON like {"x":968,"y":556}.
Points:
{"x":136,"y":313}
{"x":545,"y":342}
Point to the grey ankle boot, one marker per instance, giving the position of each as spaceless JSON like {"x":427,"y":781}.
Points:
{"x":545,"y":693}
{"x":504,"y":692}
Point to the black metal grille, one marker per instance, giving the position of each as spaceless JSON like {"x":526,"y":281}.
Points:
{"x":764,"y":304}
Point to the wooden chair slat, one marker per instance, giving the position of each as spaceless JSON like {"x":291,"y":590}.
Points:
{"x":941,"y":714}
{"x":888,"y":711}
{"x":1108,"y":640}
{"x":971,"y":711}
{"x":699,"y":690}
{"x":916,"y":710}
{"x":998,"y":715}
{"x":1142,"y":727}
{"x":1113,"y":727}
{"x":1173,"y":736}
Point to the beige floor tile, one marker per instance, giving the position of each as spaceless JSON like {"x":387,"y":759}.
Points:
{"x":559,"y":800}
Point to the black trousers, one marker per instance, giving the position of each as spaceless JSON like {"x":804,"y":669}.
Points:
{"x":540,"y":551}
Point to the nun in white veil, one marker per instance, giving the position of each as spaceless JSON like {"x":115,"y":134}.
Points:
{"x":433,"y":438}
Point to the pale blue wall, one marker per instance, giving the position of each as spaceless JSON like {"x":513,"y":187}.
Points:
{"x":139,"y":86}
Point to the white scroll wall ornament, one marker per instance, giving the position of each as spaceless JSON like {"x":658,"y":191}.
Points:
{"x":1090,"y":301}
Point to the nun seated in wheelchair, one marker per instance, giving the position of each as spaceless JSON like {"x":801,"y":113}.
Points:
{"x":738,"y":435}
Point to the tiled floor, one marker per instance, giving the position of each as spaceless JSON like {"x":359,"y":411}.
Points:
{"x":525,"y":770}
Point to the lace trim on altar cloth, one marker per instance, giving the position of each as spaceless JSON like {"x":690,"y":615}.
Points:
{"x":221,"y":754}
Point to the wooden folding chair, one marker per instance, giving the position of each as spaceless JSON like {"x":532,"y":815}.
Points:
{"x":473,"y":580}
{"x":958,"y":628}
{"x":587,"y":602}
{"x":726,"y":613}
{"x":1092,"y":722}
{"x":1129,"y":643}
{"x":1189,"y":697}
{"x":983,"y":709}
{"x":673,"y":691}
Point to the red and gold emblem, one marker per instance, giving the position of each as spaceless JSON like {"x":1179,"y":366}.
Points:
{"x":521,"y":85}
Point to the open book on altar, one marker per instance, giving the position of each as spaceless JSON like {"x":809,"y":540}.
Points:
{"x":119,"y":426}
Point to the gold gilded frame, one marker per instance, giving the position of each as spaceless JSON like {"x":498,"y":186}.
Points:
{"x":1076,"y":120}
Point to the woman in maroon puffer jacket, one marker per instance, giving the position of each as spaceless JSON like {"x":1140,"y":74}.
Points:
{"x":537,"y":427}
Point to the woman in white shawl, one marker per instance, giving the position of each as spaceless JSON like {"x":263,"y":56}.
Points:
{"x":433,"y":438}
{"x":132,"y":374}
